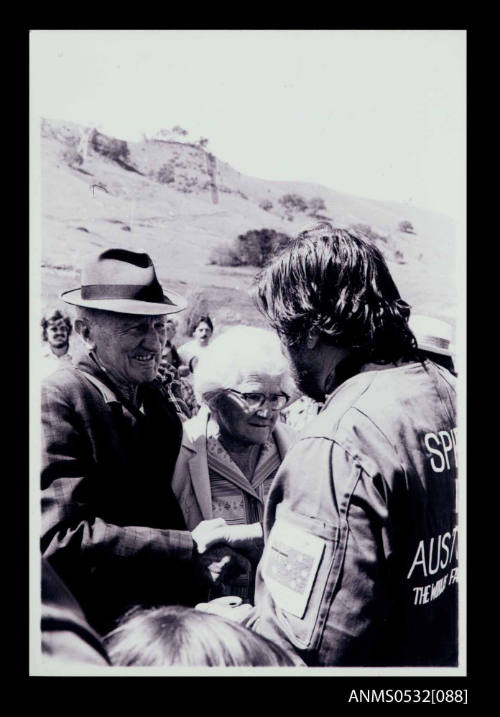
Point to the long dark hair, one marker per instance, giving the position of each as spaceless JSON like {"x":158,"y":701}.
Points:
{"x":334,"y":281}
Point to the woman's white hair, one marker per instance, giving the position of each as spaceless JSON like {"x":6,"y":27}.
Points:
{"x":235,"y":353}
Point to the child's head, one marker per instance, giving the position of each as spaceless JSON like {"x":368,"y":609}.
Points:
{"x":176,"y":635}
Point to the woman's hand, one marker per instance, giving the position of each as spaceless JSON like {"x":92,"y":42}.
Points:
{"x":211,"y":532}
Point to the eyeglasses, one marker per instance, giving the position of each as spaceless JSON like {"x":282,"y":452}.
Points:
{"x":277,"y":401}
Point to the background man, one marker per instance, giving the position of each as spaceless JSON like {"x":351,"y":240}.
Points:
{"x":56,"y":330}
{"x":111,"y":526}
{"x":360,"y":563}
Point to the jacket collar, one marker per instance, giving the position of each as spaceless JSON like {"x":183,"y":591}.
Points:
{"x":87,"y":366}
{"x":195,"y":430}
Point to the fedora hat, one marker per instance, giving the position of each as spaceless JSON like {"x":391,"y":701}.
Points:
{"x":125,"y":282}
{"x":431,"y":334}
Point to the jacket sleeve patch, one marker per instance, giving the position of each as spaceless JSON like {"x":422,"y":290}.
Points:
{"x":290,"y":565}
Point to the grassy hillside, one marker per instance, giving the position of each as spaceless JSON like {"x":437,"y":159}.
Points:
{"x":105,"y":204}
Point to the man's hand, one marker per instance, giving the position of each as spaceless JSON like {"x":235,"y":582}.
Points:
{"x":222,"y":564}
{"x":211,"y":532}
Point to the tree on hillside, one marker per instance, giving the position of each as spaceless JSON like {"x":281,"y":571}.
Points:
{"x":266,"y":205}
{"x":202,"y":142}
{"x":316,"y":205}
{"x":293,"y":203}
{"x":256,"y":247}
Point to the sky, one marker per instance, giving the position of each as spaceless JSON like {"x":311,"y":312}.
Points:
{"x":374,"y":113}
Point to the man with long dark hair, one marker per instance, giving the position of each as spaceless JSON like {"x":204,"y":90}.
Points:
{"x":360,"y":563}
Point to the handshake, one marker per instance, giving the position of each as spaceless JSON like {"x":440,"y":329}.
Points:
{"x":226,"y":551}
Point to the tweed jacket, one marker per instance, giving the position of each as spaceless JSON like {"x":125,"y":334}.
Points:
{"x":111,"y":526}
{"x":191,"y":481}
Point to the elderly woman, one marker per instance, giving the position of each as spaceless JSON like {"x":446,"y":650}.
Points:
{"x":233,"y":447}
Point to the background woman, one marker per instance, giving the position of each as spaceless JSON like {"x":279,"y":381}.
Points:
{"x":202,"y":333}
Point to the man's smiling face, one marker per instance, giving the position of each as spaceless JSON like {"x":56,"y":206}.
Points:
{"x":129,"y":346}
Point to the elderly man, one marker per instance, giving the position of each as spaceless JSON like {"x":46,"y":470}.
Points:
{"x":111,"y":526}
{"x":360,"y":561}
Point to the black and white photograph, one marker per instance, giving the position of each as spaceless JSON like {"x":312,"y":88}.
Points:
{"x":247,"y":354}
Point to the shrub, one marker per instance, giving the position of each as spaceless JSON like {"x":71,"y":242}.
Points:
{"x":406,"y":227}
{"x":166,"y":174}
{"x":266,"y":205}
{"x":71,"y":157}
{"x":254,"y":248}
{"x":293,"y":203}
{"x":224,"y":255}
{"x":258,"y":245}
{"x":315,"y":205}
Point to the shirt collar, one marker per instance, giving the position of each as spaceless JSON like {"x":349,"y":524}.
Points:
{"x":48,"y":353}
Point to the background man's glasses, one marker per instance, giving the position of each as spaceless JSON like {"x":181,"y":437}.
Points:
{"x":277,"y":401}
